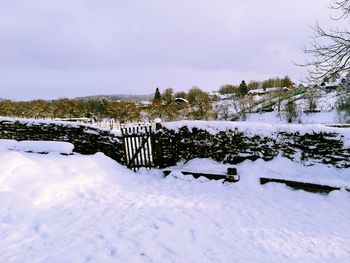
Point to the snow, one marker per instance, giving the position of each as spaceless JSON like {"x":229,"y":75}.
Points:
{"x":325,"y":102}
{"x":77,"y":208}
{"x":283,"y":168}
{"x":203,"y":165}
{"x":38,"y":146}
{"x":259,"y":128}
{"x":74,"y":124}
{"x":44,"y":121}
{"x":7,"y":144}
{"x":325,"y":117}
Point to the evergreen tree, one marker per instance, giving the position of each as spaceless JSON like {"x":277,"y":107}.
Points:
{"x":243,"y":89}
{"x":102,"y":106}
{"x":157,"y":96}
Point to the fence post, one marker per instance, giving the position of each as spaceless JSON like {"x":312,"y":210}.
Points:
{"x":158,"y":145}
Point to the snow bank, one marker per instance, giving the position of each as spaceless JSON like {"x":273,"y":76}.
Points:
{"x":45,"y":146}
{"x":6,"y":144}
{"x":37,"y":146}
{"x":30,"y":122}
{"x":283,"y":168}
{"x":76,"y":208}
{"x":44,"y":121}
{"x":203,"y":165}
{"x":44,"y":180}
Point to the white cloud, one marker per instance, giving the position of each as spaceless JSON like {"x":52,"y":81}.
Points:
{"x":90,"y":46}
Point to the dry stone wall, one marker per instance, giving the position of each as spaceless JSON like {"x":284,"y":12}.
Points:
{"x":86,"y":139}
{"x":230,"y":146}
{"x":234,"y":146}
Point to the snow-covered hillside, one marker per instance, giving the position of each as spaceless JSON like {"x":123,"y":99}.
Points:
{"x":76,"y":208}
{"x":262,"y":106}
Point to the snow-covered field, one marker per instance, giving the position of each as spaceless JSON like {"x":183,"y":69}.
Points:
{"x":326,"y":104}
{"x":76,"y":208}
{"x":325,"y":117}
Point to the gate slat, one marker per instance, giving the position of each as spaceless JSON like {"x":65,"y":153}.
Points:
{"x":149,"y":149}
{"x":141,"y":138}
{"x":131,"y":164}
{"x":133,"y":161}
{"x":140,"y":146}
{"x":125,"y":148}
{"x":129,"y":151}
{"x":137,"y":147}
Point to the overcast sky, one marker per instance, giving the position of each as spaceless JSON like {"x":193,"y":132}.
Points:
{"x":68,"y":48}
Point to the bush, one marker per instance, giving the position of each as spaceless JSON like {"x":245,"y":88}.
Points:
{"x":228,"y":89}
{"x":291,"y":112}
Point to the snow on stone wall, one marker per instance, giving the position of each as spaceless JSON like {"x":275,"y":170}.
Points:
{"x":230,"y":142}
{"x":86,"y":139}
{"x":234,"y":142}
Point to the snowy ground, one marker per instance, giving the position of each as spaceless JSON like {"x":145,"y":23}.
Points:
{"x":326,"y":105}
{"x":329,"y":117}
{"x":76,"y":208}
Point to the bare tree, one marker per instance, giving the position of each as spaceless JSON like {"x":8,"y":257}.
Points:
{"x":311,"y":97}
{"x":280,"y":94}
{"x":330,"y":50}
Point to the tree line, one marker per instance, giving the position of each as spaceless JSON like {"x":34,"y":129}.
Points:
{"x":243,"y":88}
{"x":196,"y":104}
{"x":70,"y":108}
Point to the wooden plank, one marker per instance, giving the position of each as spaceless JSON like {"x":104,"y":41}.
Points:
{"x":315,"y":188}
{"x":137,"y":155}
{"x":131,"y":161}
{"x":210,"y":176}
{"x":142,"y":153}
{"x":129,"y":151}
{"x":141,"y":145}
{"x":134,"y":159}
{"x":148,"y":147}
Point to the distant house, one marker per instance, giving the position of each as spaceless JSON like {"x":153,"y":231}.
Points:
{"x":265,"y":91}
{"x":181,"y":101}
{"x":299,"y":90}
{"x":333,"y":85}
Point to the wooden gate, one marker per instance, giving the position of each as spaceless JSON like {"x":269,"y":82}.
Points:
{"x":142,"y":146}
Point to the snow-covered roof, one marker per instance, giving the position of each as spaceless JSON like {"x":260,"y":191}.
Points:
{"x":180,"y":100}
{"x":262,"y":91}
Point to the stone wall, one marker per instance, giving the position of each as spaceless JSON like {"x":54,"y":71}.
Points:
{"x":230,"y":146}
{"x":86,"y":139}
{"x":234,"y":146}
